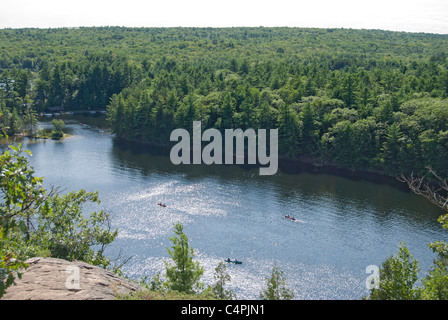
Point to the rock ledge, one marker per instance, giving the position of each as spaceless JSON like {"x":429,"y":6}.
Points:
{"x":58,"y":279}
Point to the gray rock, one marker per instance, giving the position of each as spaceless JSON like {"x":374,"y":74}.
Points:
{"x":58,"y":279}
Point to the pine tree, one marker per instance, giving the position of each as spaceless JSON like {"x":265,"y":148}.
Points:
{"x":228,"y":109}
{"x":184,"y":274}
{"x":348,"y":91}
{"x":288,"y":128}
{"x":309,"y":137}
{"x":392,"y":147}
{"x":222,"y":277}
{"x":30,"y":120}
{"x":186,"y":113}
{"x":276,"y":288}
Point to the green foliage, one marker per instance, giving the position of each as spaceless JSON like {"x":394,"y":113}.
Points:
{"x":10,"y":268}
{"x":58,"y":129}
{"x":29,"y":120}
{"x":289,"y":131}
{"x":364,"y":99}
{"x":68,"y":233}
{"x":39,"y":222}
{"x":378,"y":113}
{"x":436,"y":282}
{"x":276,"y":287}
{"x":398,"y":276}
{"x":183,"y":273}
{"x":22,"y":193}
{"x":392,"y":147}
{"x":164,"y":295}
{"x":222,"y":278}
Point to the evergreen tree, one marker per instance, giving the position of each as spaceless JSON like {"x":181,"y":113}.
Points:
{"x":222,"y":278}
{"x":309,"y":137}
{"x":228,"y":109}
{"x":30,"y":120}
{"x":183,"y":274}
{"x":276,"y":287}
{"x":349,"y":91}
{"x":392,"y":147}
{"x":398,"y":276}
{"x":186,"y":113}
{"x":289,"y":131}
{"x":265,"y":116}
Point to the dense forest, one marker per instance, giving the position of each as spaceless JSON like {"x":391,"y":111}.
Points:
{"x":361,"y":99}
{"x":366,"y":100}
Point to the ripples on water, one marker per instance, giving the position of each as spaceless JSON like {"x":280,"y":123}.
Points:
{"x":342,"y":225}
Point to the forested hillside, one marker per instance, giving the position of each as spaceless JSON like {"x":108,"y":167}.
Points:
{"x":363,"y":99}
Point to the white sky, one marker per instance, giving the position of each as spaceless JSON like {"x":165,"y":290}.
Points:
{"x":398,"y":15}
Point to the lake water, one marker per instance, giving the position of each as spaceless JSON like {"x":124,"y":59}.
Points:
{"x":343,"y":225}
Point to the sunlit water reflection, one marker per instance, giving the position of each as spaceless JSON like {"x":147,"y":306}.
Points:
{"x":342,"y":225}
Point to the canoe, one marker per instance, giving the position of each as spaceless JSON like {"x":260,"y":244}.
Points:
{"x":233,"y":261}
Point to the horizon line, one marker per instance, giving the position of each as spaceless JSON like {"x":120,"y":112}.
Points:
{"x":219,"y":27}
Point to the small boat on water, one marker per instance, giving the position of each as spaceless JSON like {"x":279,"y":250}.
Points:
{"x":289,"y":217}
{"x":233,"y":261}
{"x":161,"y":204}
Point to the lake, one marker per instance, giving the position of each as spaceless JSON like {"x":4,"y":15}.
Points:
{"x":342,"y":225}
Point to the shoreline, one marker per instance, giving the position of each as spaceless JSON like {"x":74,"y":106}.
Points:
{"x":293,"y":166}
{"x":38,"y":137}
{"x":304,"y":164}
